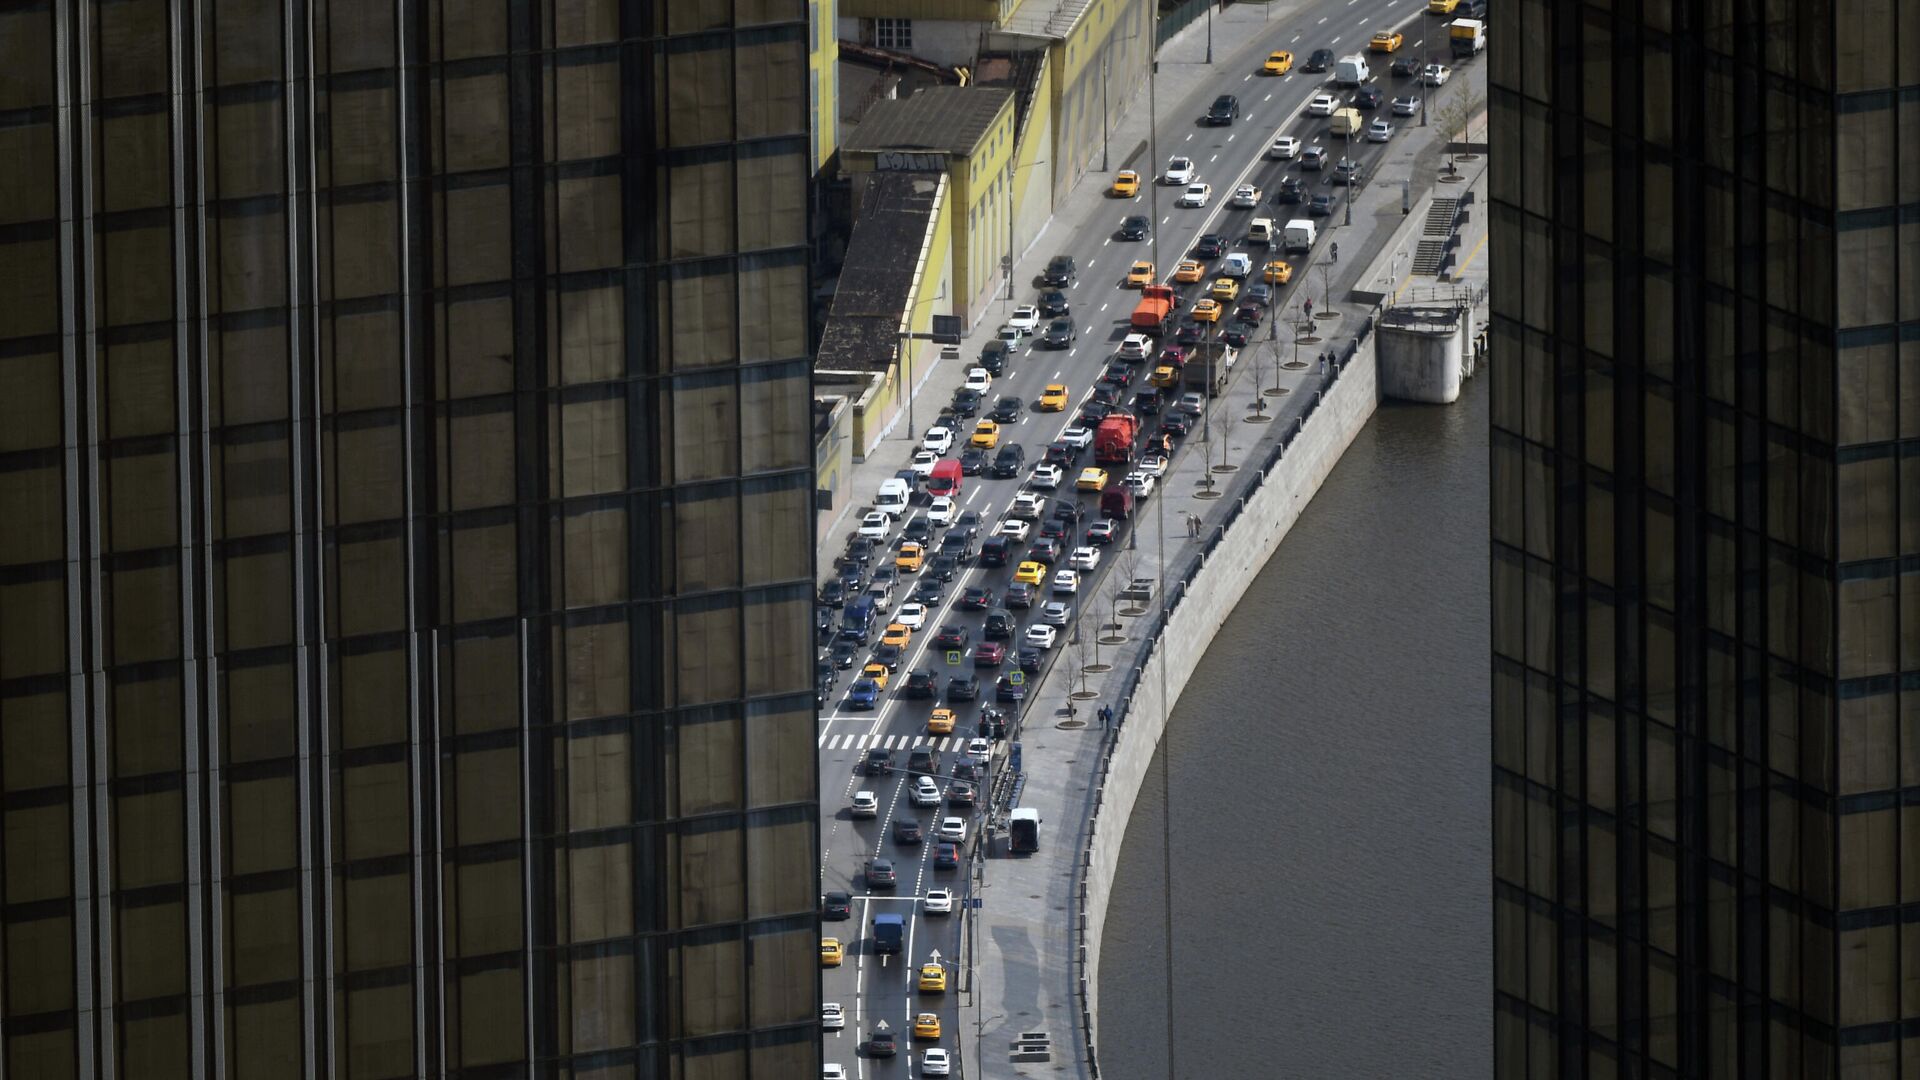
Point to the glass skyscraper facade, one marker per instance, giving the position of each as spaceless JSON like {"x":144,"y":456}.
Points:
{"x":1706,"y":566}
{"x":406,"y":540}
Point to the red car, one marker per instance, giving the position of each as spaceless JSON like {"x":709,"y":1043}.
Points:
{"x":989,"y":654}
{"x":1174,"y":355}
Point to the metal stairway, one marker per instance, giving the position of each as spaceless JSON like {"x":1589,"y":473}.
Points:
{"x":1431,"y":251}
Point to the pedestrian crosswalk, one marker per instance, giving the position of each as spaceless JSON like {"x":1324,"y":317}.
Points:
{"x":851,"y":741}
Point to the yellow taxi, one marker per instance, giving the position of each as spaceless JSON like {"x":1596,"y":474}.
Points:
{"x":1164,"y":376}
{"x":877,"y":672}
{"x":1226,"y":290}
{"x":896,"y":633}
{"x":1441,"y":7}
{"x":1140,"y":273}
{"x":941,"y":722}
{"x":1030,"y":573}
{"x":1092,"y":478}
{"x":830,"y":952}
{"x":986,"y":434}
{"x":1189,"y":271}
{"x":1206,"y":311}
{"x":1054,"y":398}
{"x":910,"y":557}
{"x":1126,"y":184}
{"x":1278,"y":63}
{"x":926,"y":1026}
{"x":1278,"y":272}
{"x":933,"y":979}
{"x":1386,"y":41}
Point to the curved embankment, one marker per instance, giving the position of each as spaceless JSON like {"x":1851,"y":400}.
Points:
{"x":1198,"y":608}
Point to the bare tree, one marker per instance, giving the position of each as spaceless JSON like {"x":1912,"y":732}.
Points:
{"x":1454,"y":119}
{"x":1080,"y":650}
{"x":1122,"y":580}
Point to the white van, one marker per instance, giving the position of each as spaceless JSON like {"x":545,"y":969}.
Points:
{"x":892,"y":498}
{"x":1261,"y":231}
{"x":1237,"y":264}
{"x":1300,"y":234}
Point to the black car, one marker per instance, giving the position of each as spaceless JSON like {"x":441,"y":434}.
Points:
{"x":1189,"y":334}
{"x":963,"y":688}
{"x":906,"y":830}
{"x":920,"y":684}
{"x":877,"y":762}
{"x":1258,"y":294}
{"x":1059,"y":453}
{"x":833,"y":594}
{"x":1009,"y":461}
{"x":880,"y":1043}
{"x":919,"y":530}
{"x":930,"y":591}
{"x":973,"y":461}
{"x":1318,"y":60}
{"x":1176,"y":423}
{"x":1236,"y":334}
{"x":887,"y":656}
{"x":880,"y":874}
{"x":957,"y":544}
{"x":1054,"y":303}
{"x":943,"y":567}
{"x":1348,"y":171}
{"x":969,"y":524}
{"x":1148,"y":401}
{"x":968,"y":770}
{"x":1007,"y":410}
{"x":1248,"y":314}
{"x":1135,"y":227}
{"x":1118,"y":374}
{"x":1406,"y":65}
{"x":994,"y":357}
{"x":852,"y":575}
{"x":1058,"y":335}
{"x":951,"y":637}
{"x":1005,"y":688}
{"x":1093,"y":412}
{"x":1046,"y":550}
{"x":1106,"y":393}
{"x":976,"y":598}
{"x":1060,"y":272}
{"x":946,"y":856}
{"x":1290,"y":191}
{"x":1030,"y":659}
{"x":1068,"y":511}
{"x":1209,"y":246}
{"x":966,"y":402}
{"x":995,"y":551}
{"x":1223,"y":110}
{"x":1054,"y":530}
{"x":1018,"y":595}
{"x":1321,"y":205}
{"x":861,"y":550}
{"x":924,"y":760}
{"x":836,"y":907}
{"x":999,"y":624}
{"x":845,"y":650}
{"x":1367,"y":97}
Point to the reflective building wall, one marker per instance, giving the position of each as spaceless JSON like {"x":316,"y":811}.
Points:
{"x":405,"y":540}
{"x":1706,"y":538}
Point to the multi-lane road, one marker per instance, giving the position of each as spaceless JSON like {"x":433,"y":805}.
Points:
{"x":873,"y":988}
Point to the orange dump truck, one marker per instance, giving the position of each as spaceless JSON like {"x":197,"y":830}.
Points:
{"x":1154,"y":309}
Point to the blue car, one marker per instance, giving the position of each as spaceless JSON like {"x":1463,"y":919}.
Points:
{"x":863,"y":694}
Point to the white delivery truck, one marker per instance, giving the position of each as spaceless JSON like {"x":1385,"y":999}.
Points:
{"x":1466,"y":37}
{"x":1299,"y":235}
{"x":1352,"y":70}
{"x":1237,"y":264}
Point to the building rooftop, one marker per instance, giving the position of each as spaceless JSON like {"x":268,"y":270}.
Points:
{"x":889,"y":228}
{"x":1423,"y":318}
{"x":945,"y":118}
{"x":1046,"y":18}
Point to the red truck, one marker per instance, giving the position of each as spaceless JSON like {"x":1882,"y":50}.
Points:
{"x":1113,"y":439}
{"x":1150,"y":315}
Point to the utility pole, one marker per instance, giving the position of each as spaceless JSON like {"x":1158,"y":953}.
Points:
{"x":1210,"y":4}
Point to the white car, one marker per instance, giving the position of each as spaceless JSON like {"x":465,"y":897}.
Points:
{"x":1139,"y":483}
{"x":832,"y":1016}
{"x":1046,"y":477}
{"x":1056,"y":612}
{"x":1079,"y":436}
{"x":1196,"y":195}
{"x":941,"y":514}
{"x":1014,"y":529}
{"x":979,"y":379}
{"x":953,"y":830}
{"x":1379,"y":131}
{"x":1284,"y":148}
{"x":1405,"y":106}
{"x":1154,"y":465}
{"x":1027,"y":506}
{"x":1179,"y":171}
{"x":980,"y":750}
{"x":1084,"y":558}
{"x":1025,"y":318}
{"x":1135,"y":347}
{"x":865,"y":804}
{"x":939,"y":439}
{"x":1041,"y":636}
{"x":923,"y":462}
{"x":935,"y":1063}
{"x":1246,"y":196}
{"x":912,"y":616}
{"x":926,"y":791}
{"x":834,"y":1072}
{"x":1322,"y":105}
{"x":939,"y":902}
{"x":1436,"y":75}
{"x":1066,"y":582}
{"x":876,"y":526}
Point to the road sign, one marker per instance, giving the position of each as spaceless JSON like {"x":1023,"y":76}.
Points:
{"x":954,"y":656}
{"x":1016,"y":757}
{"x":974,"y":901}
{"x":1016,"y":677}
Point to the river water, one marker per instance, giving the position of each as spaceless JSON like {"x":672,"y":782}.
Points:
{"x":1330,"y":764}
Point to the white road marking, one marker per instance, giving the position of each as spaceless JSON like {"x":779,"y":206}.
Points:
{"x":1103,"y":307}
{"x":1248,"y":78}
{"x":1108,"y":241}
{"x":974,"y":495}
{"x":1166,"y":219}
{"x":1296,"y":37}
{"x":1335,"y":41}
{"x":1056,"y":374}
{"x":1230,"y":138}
{"x":1269,"y":97}
{"x":1322,"y":22}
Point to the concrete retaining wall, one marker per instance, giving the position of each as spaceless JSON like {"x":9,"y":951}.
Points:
{"x":1211,"y":596}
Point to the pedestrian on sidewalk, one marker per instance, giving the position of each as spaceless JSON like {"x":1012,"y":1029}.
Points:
{"x":1106,"y":716}
{"x":1335,"y":252}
